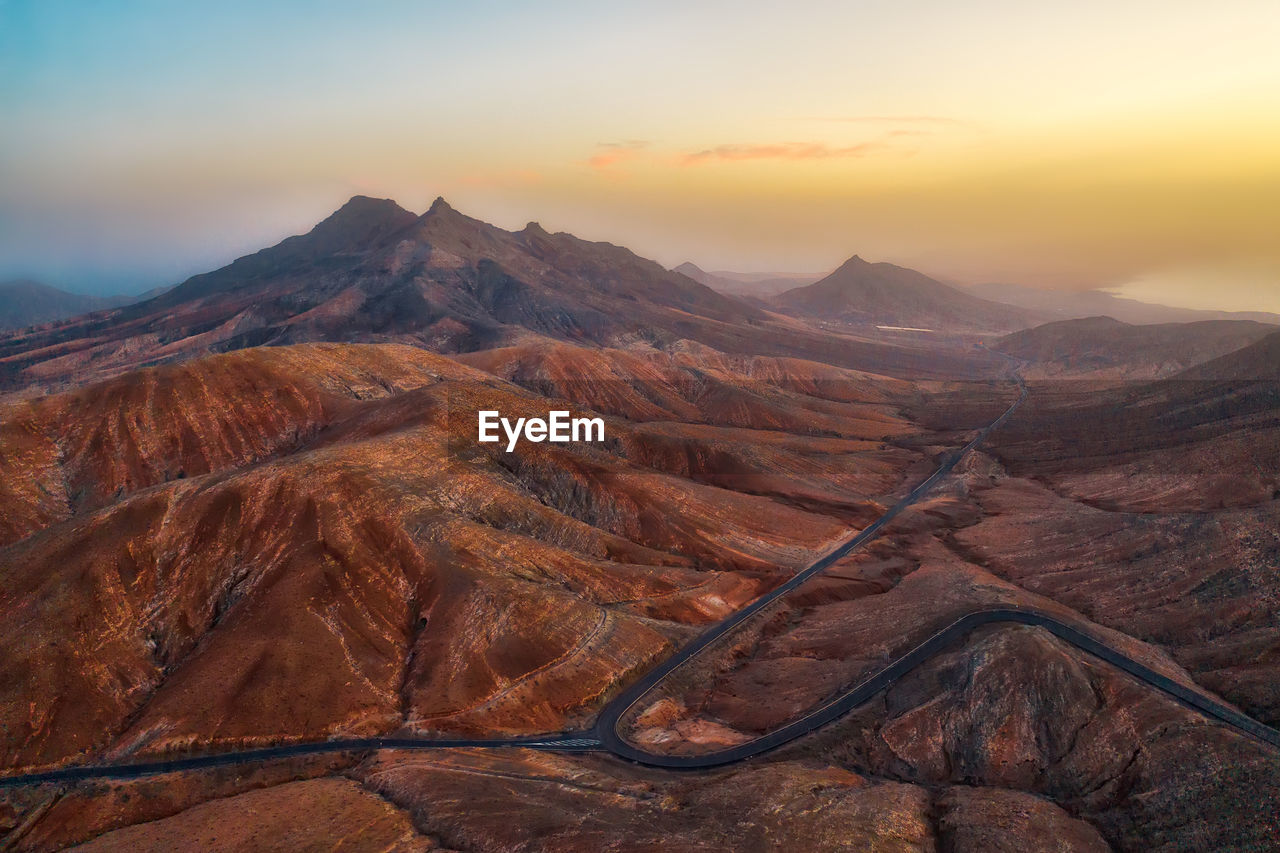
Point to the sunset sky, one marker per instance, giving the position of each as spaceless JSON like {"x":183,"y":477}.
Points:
{"x":1130,"y":145}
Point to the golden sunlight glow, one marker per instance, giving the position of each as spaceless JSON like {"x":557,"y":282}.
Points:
{"x":1079,"y":145}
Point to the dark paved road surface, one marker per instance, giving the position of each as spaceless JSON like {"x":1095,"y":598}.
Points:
{"x":607,"y":730}
{"x":560,"y":743}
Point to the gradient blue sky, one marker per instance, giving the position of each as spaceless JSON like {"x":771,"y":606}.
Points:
{"x":1122,"y":144}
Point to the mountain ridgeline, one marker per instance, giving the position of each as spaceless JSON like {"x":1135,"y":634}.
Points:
{"x":375,"y":272}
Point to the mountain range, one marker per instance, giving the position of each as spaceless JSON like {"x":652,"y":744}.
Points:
{"x":375,"y":272}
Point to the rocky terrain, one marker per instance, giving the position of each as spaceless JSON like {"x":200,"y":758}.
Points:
{"x":172,"y":530}
{"x":1156,"y":531}
{"x":226,"y":525}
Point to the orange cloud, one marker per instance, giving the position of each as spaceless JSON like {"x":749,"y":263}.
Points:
{"x":613,"y":153}
{"x":909,"y":119}
{"x":782,"y":151}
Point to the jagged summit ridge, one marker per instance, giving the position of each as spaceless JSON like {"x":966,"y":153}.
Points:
{"x":361,"y":222}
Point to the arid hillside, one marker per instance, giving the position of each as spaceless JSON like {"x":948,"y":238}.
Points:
{"x":1149,"y":520}
{"x":170,"y":532}
{"x":291,"y":543}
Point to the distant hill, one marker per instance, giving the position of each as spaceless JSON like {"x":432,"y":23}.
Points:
{"x":860,"y":292}
{"x":27,"y":303}
{"x":1258,"y":361}
{"x":1107,"y":348}
{"x":1068,"y":305}
{"x":753,"y":285}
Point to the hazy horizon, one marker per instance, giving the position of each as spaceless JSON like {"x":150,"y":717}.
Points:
{"x":1132,"y":147}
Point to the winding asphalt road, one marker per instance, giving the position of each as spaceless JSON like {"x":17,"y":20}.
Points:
{"x":607,"y":724}
{"x":607,"y":730}
{"x":605,"y":736}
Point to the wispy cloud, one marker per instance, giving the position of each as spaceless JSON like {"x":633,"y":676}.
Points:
{"x":782,"y":151}
{"x":612,"y":153}
{"x":891,"y":119}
